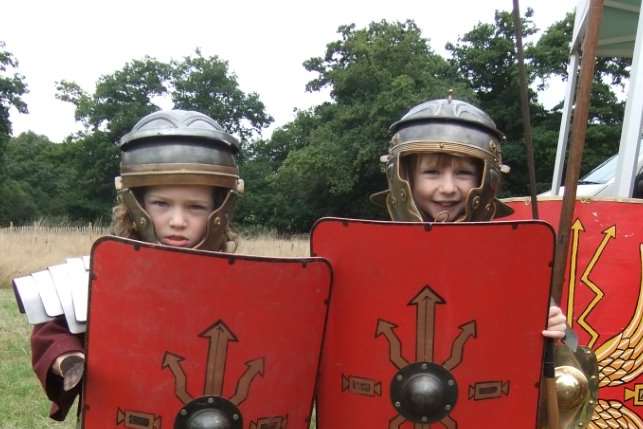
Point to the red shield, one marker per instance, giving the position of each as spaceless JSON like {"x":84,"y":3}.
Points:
{"x":603,"y":298}
{"x":458,"y":301}
{"x":175,"y":334}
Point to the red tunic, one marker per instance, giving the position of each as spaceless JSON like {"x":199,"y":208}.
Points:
{"x":48,"y":341}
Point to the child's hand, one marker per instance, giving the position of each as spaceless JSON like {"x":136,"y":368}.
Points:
{"x":71,"y":367}
{"x":557,"y":323}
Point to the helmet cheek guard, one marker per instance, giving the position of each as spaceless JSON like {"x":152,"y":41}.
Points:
{"x":448,"y":127}
{"x":177,"y":147}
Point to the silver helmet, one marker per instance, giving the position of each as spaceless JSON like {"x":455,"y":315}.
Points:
{"x":179,"y":147}
{"x":450,"y":127}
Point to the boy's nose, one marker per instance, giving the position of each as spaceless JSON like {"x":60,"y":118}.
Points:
{"x":447,"y":184}
{"x":178,"y":219}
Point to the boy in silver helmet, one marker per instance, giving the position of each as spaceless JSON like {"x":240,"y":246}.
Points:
{"x":444,"y":165}
{"x":178,"y":185}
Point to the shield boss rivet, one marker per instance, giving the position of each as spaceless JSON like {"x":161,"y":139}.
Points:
{"x":423,"y":392}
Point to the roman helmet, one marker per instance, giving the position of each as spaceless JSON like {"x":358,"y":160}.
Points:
{"x":451,"y":127}
{"x":179,"y":147}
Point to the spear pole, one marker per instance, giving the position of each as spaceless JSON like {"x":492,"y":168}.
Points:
{"x":524,"y":108}
{"x":578,"y":132}
{"x":551,"y":396}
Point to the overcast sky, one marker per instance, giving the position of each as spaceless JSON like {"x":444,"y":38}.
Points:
{"x":265,"y":42}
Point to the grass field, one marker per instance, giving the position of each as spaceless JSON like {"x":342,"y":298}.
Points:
{"x":23,"y":404}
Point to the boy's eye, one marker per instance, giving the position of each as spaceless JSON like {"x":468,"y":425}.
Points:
{"x":466,"y":172}
{"x":198,"y":207}
{"x":159,"y":203}
{"x":431,"y":171}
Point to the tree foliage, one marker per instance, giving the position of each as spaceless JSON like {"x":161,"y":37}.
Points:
{"x":326,"y":161}
{"x":12,"y":88}
{"x":197,"y":83}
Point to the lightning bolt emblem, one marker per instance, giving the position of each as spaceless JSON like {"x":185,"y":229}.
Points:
{"x":609,"y":234}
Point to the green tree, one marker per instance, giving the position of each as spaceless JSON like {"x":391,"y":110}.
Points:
{"x":328,"y":158}
{"x":486,"y":57}
{"x":198,"y":83}
{"x":120,"y":99}
{"x":12,"y":88}
{"x":206,"y":84}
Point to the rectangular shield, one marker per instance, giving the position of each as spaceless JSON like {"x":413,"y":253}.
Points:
{"x":603,"y":298}
{"x":176,"y":335}
{"x":433,"y":324}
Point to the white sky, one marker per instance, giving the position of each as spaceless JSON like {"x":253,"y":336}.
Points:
{"x":264,"y":42}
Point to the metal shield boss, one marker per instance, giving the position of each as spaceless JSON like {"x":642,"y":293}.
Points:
{"x":190,"y":339}
{"x":603,"y":299}
{"x":433,"y":325}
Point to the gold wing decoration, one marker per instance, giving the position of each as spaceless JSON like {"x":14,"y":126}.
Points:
{"x":613,"y":415}
{"x":620,"y":359}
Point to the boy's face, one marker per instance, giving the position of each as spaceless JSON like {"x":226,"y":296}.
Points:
{"x":441,"y":183}
{"x":179,"y":213}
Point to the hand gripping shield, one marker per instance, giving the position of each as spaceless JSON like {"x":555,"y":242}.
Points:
{"x":603,"y":300}
{"x":186,"y":339}
{"x":433,"y":324}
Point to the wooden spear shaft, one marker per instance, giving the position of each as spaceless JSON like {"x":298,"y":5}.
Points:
{"x":524,"y":108}
{"x":579,"y":129}
{"x":549,"y":387}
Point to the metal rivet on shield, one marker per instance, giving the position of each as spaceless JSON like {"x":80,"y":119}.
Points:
{"x":217,"y":220}
{"x":184,"y":412}
{"x":210,"y":400}
{"x":476,"y":202}
{"x":399,"y":377}
{"x":450,"y":382}
{"x":424,"y":366}
{"x":397,"y":404}
{"x":235,"y":417}
{"x":447,"y":407}
{"x":425,"y":419}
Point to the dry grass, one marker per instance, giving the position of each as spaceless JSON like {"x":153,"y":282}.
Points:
{"x":28,"y":249}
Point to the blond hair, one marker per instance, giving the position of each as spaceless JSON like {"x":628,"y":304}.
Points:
{"x":122,"y":225}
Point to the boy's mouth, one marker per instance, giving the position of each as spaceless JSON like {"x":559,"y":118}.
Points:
{"x":446,"y":204}
{"x":175,"y":240}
